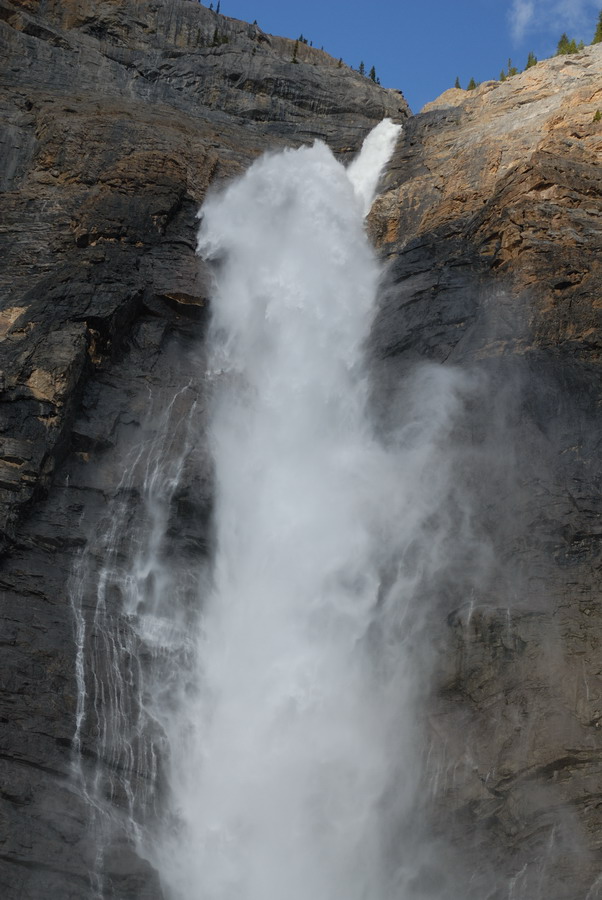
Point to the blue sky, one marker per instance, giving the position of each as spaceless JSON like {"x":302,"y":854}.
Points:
{"x":419,"y":46}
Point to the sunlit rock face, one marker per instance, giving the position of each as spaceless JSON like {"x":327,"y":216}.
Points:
{"x":490,"y":223}
{"x":117,"y":119}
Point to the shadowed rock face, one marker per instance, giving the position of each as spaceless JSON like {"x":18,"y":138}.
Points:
{"x":491,"y":226}
{"x":117,"y":117}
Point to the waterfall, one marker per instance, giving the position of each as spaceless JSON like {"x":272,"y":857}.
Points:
{"x":258,"y":725}
{"x":279,"y":773}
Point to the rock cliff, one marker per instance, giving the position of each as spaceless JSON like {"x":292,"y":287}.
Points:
{"x":491,"y":225}
{"x":117,"y":117}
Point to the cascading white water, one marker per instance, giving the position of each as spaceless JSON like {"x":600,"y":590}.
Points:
{"x":279,"y":773}
{"x":132,"y":620}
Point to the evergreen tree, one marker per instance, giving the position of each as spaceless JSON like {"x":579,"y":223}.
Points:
{"x":531,"y":60}
{"x":566,"y":45}
{"x":372,"y":74}
{"x":340,"y":63}
{"x":598,"y":35}
{"x":471,"y":85}
{"x":218,"y":7}
{"x":512,"y":70}
{"x":562,"y":46}
{"x":362,"y":68}
{"x":502,"y":75}
{"x":457,"y":83}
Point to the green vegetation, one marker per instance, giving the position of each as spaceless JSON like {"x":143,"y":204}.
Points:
{"x":597,"y":116}
{"x":566,"y":45}
{"x":531,"y":60}
{"x":472,"y":84}
{"x":362,"y":71}
{"x":457,"y":83}
{"x":598,"y":35}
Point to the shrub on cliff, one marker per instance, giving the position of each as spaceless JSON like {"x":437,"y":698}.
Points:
{"x":598,"y":35}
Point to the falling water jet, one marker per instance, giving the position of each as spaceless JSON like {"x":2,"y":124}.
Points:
{"x":282,"y":760}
